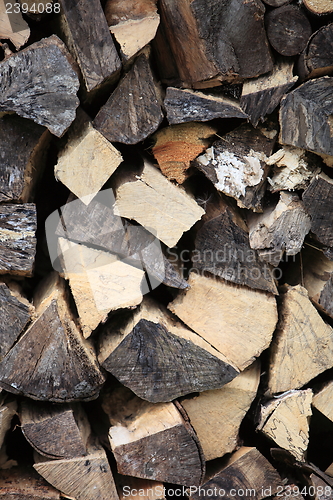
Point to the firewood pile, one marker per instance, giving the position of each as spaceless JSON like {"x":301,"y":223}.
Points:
{"x":166,"y":249}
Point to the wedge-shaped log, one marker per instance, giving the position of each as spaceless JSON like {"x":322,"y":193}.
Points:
{"x":316,"y":59}
{"x":285,"y":420}
{"x":12,"y":25}
{"x":24,"y":482}
{"x":8,"y":408}
{"x":152,"y":441}
{"x":229,"y":320}
{"x":323,"y":401}
{"x":133,"y":111}
{"x":303,"y":344}
{"x":158,"y":358}
{"x":51,"y":361}
{"x":134,"y":488}
{"x":216,"y":415}
{"x":317,"y":200}
{"x":50,"y":101}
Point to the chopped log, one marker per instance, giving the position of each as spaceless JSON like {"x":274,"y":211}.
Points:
{"x":235,"y":164}
{"x":50,"y":361}
{"x":293,"y":363}
{"x":176,"y":146}
{"x":276,"y":3}
{"x":246,"y":473}
{"x":285,"y":420}
{"x":158,"y":358}
{"x":222,"y":248}
{"x":183,"y":105}
{"x":43,"y":427}
{"x":18,"y":224}
{"x":323,"y":488}
{"x":305,"y":116}
{"x":317,"y":199}
{"x":216,"y":415}
{"x":293,"y":169}
{"x":316,"y":59}
{"x":229,"y":320}
{"x":23,"y":482}
{"x":133,"y":111}
{"x":133,"y":24}
{"x":280,"y":229}
{"x":288,"y":30}
{"x":50,"y":101}
{"x":8,"y":408}
{"x":174,"y":210}
{"x":318,"y":7}
{"x":260,"y":96}
{"x":323,"y":401}
{"x":82,"y":478}
{"x":12,"y":25}
{"x":24,"y":148}
{"x":152,"y":441}
{"x":89,"y":41}
{"x":131,"y":488}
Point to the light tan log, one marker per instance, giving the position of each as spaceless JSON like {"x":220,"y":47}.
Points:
{"x":8,"y":408}
{"x":12,"y":25}
{"x":135,"y":488}
{"x":319,"y":7}
{"x":323,"y":400}
{"x":226,"y":315}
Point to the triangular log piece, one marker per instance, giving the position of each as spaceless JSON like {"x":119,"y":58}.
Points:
{"x":229,"y":319}
{"x":131,"y":488}
{"x":18,"y":224}
{"x":183,"y":105}
{"x":222,"y":248}
{"x":133,"y":111}
{"x":158,"y":358}
{"x":247,"y":473}
{"x":8,"y":408}
{"x":152,"y":441}
{"x":50,"y":101}
{"x":133,"y":23}
{"x":216,"y":415}
{"x":260,"y":96}
{"x":51,"y":361}
{"x":285,"y":420}
{"x":90,"y":41}
{"x":280,"y":229}
{"x":176,"y":146}
{"x":319,"y":7}
{"x":82,"y":478}
{"x":236,"y":165}
{"x":24,"y":483}
{"x":323,"y":400}
{"x":293,"y":169}
{"x":303,"y":344}
{"x":12,"y":25}
{"x":43,"y":427}
{"x":15,"y":314}
{"x":318,"y":199}
{"x":305,"y":116}
{"x":316,"y":59}
{"x":160,"y":206}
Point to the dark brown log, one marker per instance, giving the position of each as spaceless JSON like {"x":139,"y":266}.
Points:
{"x":18,"y":224}
{"x":50,"y":101}
{"x":133,"y":110}
{"x":23,"y":483}
{"x":167,"y":67}
{"x":8,"y":408}
{"x":288,"y":30}
{"x":317,"y":59}
{"x":130,"y":487}
{"x":276,"y":3}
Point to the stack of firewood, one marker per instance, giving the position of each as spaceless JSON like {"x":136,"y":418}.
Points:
{"x":166,"y":249}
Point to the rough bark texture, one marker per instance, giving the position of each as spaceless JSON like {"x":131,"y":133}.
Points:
{"x":317,"y":200}
{"x":316,"y":59}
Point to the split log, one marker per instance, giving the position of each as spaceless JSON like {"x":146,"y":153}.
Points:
{"x":316,"y":59}
{"x":89,"y":40}
{"x":305,"y":116}
{"x":133,"y":111}
{"x":216,"y":415}
{"x":235,"y":164}
{"x":152,"y":441}
{"x":288,"y":30}
{"x":293,"y":169}
{"x":18,"y":224}
{"x":8,"y":409}
{"x":183,"y":105}
{"x":280,"y":229}
{"x":133,"y":24}
{"x":317,"y":199}
{"x":323,"y":401}
{"x":246,"y":473}
{"x":50,"y":101}
{"x":293,"y":363}
{"x":323,"y":488}
{"x":24,"y":146}
{"x":174,"y":210}
{"x":318,"y":7}
{"x":276,"y":3}
{"x":50,"y":361}
{"x":285,"y":420}
{"x":176,"y":146}
{"x":12,"y":25}
{"x":82,"y":478}
{"x":222,"y":248}
{"x":229,"y":320}
{"x":165,"y":62}
{"x":24,"y":483}
{"x":43,"y":427}
{"x":135,"y":488}
{"x":158,"y":358}
{"x":260,"y":96}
